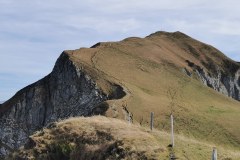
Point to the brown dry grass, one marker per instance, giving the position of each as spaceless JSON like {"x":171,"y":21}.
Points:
{"x":92,"y":138}
{"x":106,"y":138}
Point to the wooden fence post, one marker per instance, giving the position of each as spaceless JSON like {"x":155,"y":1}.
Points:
{"x":172,"y":133}
{"x":151,"y":121}
{"x":214,"y":154}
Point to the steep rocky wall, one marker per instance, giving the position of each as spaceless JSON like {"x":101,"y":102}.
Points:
{"x":227,"y":84}
{"x":67,"y":91}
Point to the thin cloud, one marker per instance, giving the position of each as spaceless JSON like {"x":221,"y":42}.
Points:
{"x":34,"y":33}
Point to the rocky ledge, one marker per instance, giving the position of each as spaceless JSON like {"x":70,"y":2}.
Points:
{"x":227,"y":83}
{"x":67,"y":91}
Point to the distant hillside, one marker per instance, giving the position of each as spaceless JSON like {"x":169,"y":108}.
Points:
{"x":105,"y":138}
{"x":162,"y":73}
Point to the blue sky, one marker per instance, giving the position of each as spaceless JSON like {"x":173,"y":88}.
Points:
{"x":33,"y":33}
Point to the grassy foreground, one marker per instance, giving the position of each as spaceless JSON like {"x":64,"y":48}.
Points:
{"x":107,"y":138}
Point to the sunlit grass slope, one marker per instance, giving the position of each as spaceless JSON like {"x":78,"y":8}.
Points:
{"x":151,"y":71}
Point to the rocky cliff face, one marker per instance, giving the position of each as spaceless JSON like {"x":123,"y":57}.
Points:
{"x":225,"y":82}
{"x":67,"y":91}
{"x":227,"y":85}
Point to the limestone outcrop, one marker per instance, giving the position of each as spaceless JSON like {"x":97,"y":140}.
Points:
{"x":227,"y":83}
{"x":67,"y":91}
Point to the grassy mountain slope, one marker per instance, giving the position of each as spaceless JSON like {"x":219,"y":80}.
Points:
{"x":106,"y":138}
{"x":151,"y":71}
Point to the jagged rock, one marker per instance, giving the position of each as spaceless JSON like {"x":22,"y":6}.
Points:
{"x":187,"y":72}
{"x":67,"y":91}
{"x":227,"y":84}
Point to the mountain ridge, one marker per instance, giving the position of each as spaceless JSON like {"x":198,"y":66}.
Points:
{"x":162,"y":73}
